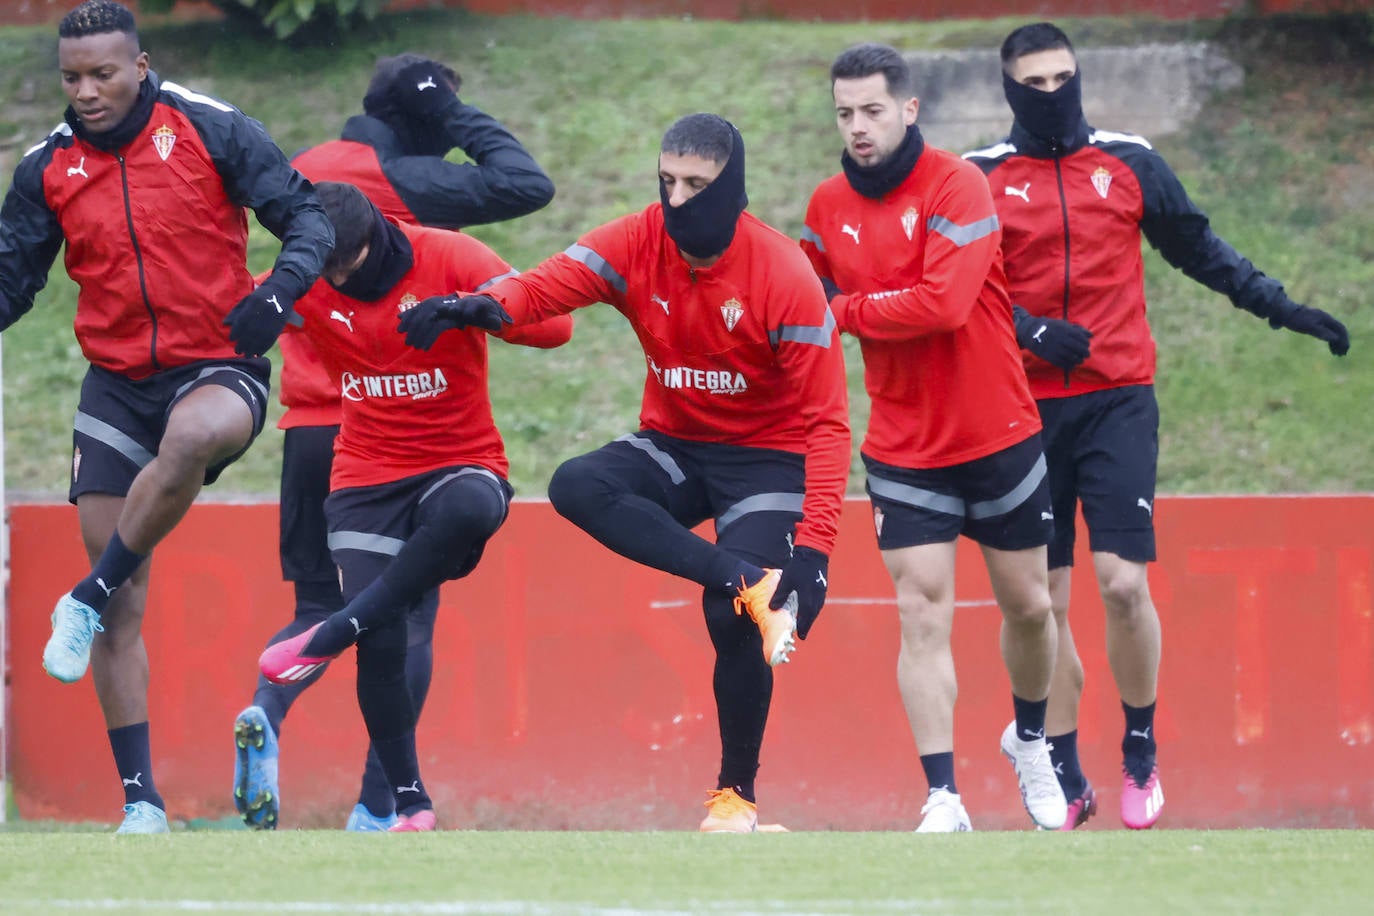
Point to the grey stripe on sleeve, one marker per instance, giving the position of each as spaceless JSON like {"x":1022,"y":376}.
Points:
{"x":963,"y":235}
{"x":806,"y":333}
{"x":597,"y":264}
{"x":810,"y":235}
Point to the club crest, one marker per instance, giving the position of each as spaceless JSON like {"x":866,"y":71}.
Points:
{"x":1102,"y":180}
{"x":732,"y":311}
{"x":909,"y":219}
{"x":164,"y":138}
{"x":408,"y":302}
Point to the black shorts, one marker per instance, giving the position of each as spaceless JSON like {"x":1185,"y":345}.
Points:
{"x":306,"y":459}
{"x":753,"y":495}
{"x":1103,"y":451}
{"x":1001,"y":501}
{"x":368,"y":526}
{"x":120,"y":422}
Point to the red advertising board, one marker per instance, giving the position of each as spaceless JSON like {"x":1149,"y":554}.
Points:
{"x":572,"y":688}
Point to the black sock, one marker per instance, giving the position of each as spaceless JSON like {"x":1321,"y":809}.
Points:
{"x":1064,"y":756}
{"x":743,"y":790}
{"x":1139,"y":740}
{"x":736,"y":572}
{"x":276,"y":699}
{"x":402,"y":767}
{"x":375,"y":794}
{"x":939,"y":769}
{"x":742,"y":684}
{"x":375,"y":604}
{"x":116,"y":564}
{"x":1030,"y":717}
{"x":134,"y":760}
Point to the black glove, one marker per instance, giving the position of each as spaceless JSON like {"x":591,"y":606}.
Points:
{"x":422,"y":88}
{"x":1058,"y":342}
{"x":258,"y":319}
{"x":804,"y":574}
{"x":431,"y":317}
{"x":1318,"y":324}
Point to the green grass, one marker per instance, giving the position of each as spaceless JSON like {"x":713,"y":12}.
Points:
{"x":1283,"y":166}
{"x":556,"y":873}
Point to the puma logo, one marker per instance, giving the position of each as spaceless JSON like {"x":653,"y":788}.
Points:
{"x":108,"y":590}
{"x":1023,"y":192}
{"x":427,"y":84}
{"x":275,"y":304}
{"x":78,"y":169}
{"x":852,"y":230}
{"x":346,"y":319}
{"x":357,"y":628}
{"x":820,"y":579}
{"x":1145,"y":734}
{"x":660,"y":301}
{"x":135,"y":780}
{"x":413,"y":787}
{"x":1040,"y":330}
{"x":1143,"y":503}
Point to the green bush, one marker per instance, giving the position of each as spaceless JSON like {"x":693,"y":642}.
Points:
{"x":285,"y":18}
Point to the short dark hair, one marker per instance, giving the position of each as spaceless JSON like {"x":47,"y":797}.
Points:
{"x":866,"y":59}
{"x":96,"y":17}
{"x":706,"y":135}
{"x":388,"y":68}
{"x":353,"y":217}
{"x":1032,"y":39}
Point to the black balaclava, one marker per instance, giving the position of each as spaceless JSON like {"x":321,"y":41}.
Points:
{"x":704,"y":226}
{"x":876,"y":181}
{"x":122,"y":133}
{"x":389,"y":258}
{"x":418,"y":137}
{"x":1054,"y":118}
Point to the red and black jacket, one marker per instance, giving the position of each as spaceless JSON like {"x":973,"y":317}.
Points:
{"x":1072,"y":219}
{"x":156,"y":232}
{"x":503,"y":181}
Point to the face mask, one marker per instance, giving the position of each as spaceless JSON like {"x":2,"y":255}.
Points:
{"x":876,"y":182}
{"x":704,"y":226}
{"x":1053,"y":117}
{"x":389,"y":258}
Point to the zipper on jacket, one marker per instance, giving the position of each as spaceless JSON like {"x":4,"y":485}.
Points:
{"x":1064,"y":214}
{"x":138,"y":258}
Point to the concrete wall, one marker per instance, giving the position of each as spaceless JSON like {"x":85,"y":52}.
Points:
{"x":1150,"y":90}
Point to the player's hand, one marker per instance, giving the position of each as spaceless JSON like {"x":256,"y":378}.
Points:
{"x":431,"y":317}
{"x":1320,"y":325}
{"x":422,"y":89}
{"x":1058,"y":342}
{"x":806,"y":574}
{"x":258,"y":319}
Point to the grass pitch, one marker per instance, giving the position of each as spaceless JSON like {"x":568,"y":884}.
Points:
{"x":554,"y":873}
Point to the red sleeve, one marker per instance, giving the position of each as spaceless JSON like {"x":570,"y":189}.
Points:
{"x":964,"y":238}
{"x":810,"y":353}
{"x":545,"y":335}
{"x":592,"y":270}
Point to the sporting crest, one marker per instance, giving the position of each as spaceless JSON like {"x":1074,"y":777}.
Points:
{"x":732,"y":311}
{"x":408,"y":302}
{"x":909,"y":219}
{"x":1102,"y":180}
{"x":164,"y":138}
